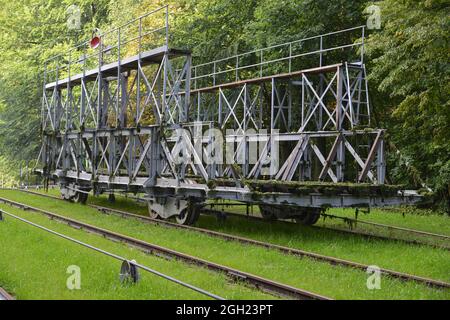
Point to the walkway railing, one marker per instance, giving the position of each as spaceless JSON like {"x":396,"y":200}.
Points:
{"x":316,"y":51}
{"x":146,"y":32}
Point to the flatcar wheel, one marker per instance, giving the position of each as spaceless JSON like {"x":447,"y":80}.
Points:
{"x":268,"y":213}
{"x":65,"y":196}
{"x":153,"y":214}
{"x":188,"y":216}
{"x":308,"y":218}
{"x":80,"y":197}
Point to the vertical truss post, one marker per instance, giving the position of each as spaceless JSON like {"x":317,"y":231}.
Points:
{"x":381,"y":165}
{"x":244,"y":142}
{"x":83,"y":97}
{"x":321,"y":51}
{"x":138,"y":91}
{"x":289,"y":93}
{"x":69,"y":96}
{"x":44,"y":99}
{"x":220,"y":108}
{"x":165,"y":107}
{"x":303,"y":103}
{"x":111,"y":153}
{"x":123,"y":101}
{"x":340,"y":157}
{"x":272,"y":106}
{"x":119,"y":79}
{"x":187,"y":89}
{"x":154,"y":156}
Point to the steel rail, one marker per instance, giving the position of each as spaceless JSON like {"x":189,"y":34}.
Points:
{"x":286,"y":250}
{"x":376,"y":224}
{"x":340,"y":230}
{"x":117,"y":257}
{"x":110,"y":31}
{"x":283,"y":249}
{"x":259,"y":64}
{"x":279,"y":45}
{"x":265,"y":285}
{"x":4,"y":295}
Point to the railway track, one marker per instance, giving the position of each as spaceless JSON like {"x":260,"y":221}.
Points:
{"x":349,"y":221}
{"x":381,"y":225}
{"x":265,"y":285}
{"x":129,"y":268}
{"x":340,"y":230}
{"x":283,"y":249}
{"x":4,"y":295}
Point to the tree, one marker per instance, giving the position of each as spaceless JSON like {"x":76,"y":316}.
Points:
{"x":32,"y":31}
{"x":409,"y":70}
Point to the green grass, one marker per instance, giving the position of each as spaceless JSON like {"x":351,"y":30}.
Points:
{"x":33,"y":265}
{"x":336,"y":282}
{"x":400,"y":217}
{"x":389,"y":254}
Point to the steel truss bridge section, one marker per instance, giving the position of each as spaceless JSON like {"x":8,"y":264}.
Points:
{"x":120,"y":119}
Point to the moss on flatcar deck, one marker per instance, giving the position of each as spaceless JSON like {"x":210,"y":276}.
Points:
{"x":308,"y":187}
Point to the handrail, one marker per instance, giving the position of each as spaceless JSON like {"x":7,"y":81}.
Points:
{"x":280,"y":45}
{"x":213,"y":71}
{"x":101,"y":50}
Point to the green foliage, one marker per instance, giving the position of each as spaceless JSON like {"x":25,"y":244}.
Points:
{"x":7,"y":177}
{"x":282,"y":21}
{"x":410,"y":71}
{"x":407,"y":62}
{"x":31,"y":32}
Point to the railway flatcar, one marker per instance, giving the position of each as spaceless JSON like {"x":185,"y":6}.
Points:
{"x":286,"y":127}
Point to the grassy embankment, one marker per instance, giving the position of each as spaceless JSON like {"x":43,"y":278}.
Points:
{"x":337,"y":282}
{"x":33,"y":265}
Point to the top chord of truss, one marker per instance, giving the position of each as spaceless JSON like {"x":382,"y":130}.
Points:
{"x":112,"y":69}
